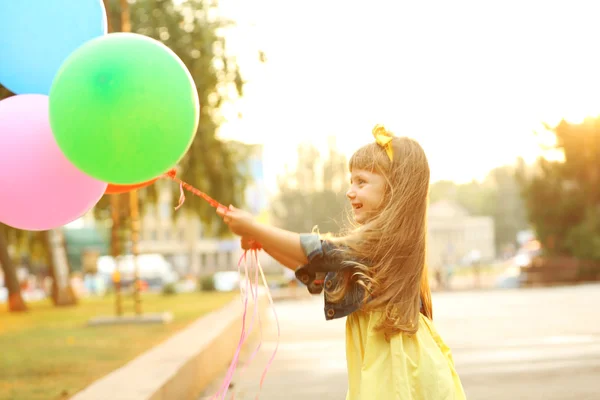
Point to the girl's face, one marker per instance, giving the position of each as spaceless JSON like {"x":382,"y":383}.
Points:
{"x":365,"y":194}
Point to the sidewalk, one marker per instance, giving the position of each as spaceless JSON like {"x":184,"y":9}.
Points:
{"x":310,"y":350}
{"x":525,"y":344}
{"x":470,"y":282}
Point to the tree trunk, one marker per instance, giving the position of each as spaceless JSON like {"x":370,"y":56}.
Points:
{"x":125,"y":17}
{"x":15,"y":300}
{"x":108,"y":19}
{"x":135,"y":250}
{"x":58,"y":266}
{"x":115,"y":250}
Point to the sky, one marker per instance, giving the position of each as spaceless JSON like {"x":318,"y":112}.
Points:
{"x":470,"y":80}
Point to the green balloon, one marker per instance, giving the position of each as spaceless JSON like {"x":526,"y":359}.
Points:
{"x":124,"y":108}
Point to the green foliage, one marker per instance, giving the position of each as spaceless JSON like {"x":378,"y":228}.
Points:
{"x":169,"y":289}
{"x":206,"y":283}
{"x":4,"y":92}
{"x":302,"y":204}
{"x":194,"y":30}
{"x":583,"y":240}
{"x":562,"y":197}
{"x":301,"y":212}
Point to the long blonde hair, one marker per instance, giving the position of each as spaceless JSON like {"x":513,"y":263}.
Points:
{"x":393,"y":242}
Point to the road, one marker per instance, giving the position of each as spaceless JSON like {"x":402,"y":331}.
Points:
{"x":526,"y":344}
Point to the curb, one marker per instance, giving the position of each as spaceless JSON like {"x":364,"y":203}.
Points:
{"x":185,"y":364}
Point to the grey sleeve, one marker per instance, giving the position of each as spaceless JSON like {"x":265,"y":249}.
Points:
{"x":311,"y":244}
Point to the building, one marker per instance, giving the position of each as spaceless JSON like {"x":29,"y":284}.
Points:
{"x":454,"y":236}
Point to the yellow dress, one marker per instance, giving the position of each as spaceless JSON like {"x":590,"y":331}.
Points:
{"x":408,"y":367}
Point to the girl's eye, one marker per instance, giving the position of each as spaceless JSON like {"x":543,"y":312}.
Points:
{"x":361,"y":181}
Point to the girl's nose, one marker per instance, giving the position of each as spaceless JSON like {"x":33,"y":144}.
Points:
{"x":350,"y":194}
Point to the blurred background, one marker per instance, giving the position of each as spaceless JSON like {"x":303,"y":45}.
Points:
{"x":502,"y":96}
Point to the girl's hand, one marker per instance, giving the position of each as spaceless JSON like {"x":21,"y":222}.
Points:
{"x":247,"y":242}
{"x":240,"y":222}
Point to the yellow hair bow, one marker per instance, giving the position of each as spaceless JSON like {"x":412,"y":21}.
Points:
{"x":383,"y":137}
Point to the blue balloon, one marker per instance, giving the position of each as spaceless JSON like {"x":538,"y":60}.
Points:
{"x":36,"y":36}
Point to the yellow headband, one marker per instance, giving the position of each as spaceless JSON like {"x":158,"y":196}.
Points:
{"x":384,"y":138}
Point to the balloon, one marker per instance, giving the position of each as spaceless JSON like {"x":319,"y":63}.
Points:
{"x":36,"y":36}
{"x":124,"y":108}
{"x":116,"y":189}
{"x":40,"y":188}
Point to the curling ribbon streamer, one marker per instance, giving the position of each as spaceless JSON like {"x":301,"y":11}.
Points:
{"x":255,"y":269}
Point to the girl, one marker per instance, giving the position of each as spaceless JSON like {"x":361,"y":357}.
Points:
{"x":375,"y":275}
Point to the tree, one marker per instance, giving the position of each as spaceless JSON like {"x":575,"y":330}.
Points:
{"x":194,"y":30}
{"x":15,"y":299}
{"x":45,"y":248}
{"x":16,"y":302}
{"x":117,"y":204}
{"x":312,"y":195}
{"x":5,"y":93}
{"x":62,"y":292}
{"x":563,"y":197}
{"x":505,"y":205}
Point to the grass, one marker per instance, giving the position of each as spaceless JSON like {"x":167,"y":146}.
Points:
{"x":49,"y":353}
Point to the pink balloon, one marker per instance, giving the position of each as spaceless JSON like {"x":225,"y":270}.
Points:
{"x":39,"y":188}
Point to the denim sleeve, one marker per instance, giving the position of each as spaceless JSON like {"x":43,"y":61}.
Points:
{"x":323,"y":258}
{"x":325,"y":263}
{"x":307,"y":274}
{"x":311,"y":244}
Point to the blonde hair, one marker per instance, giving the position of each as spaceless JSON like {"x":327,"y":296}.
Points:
{"x":393,"y":242}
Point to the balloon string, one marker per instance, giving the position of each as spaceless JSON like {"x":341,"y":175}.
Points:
{"x":229,"y":376}
{"x":254,"y":245}
{"x":264,"y":280}
{"x":255,"y":265}
{"x":190,"y":188}
{"x":255,"y":299}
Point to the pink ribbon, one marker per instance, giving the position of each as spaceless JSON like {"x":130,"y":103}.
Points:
{"x":254,"y":268}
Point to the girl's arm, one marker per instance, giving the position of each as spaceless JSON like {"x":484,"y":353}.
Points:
{"x":285,"y":246}
{"x":280,"y":243}
{"x":286,"y":261}
{"x":283,"y":260}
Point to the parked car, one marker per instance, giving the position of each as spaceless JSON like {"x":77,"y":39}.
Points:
{"x":154,"y":269}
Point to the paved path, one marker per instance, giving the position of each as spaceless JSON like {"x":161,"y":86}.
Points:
{"x":526,"y":344}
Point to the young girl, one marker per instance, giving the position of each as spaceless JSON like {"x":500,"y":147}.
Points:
{"x":375,"y":275}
